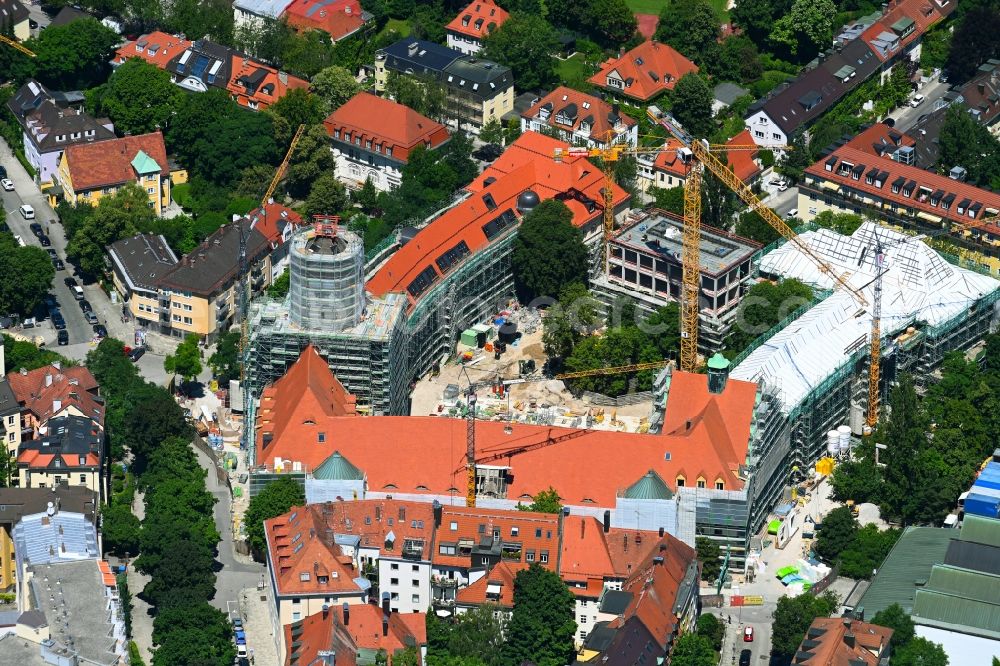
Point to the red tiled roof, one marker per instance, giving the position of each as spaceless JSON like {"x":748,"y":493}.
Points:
{"x":595,"y":111}
{"x":647,"y":70}
{"x":164,"y":46}
{"x":924,"y":13}
{"x":386,"y":123}
{"x":36,"y":459}
{"x":279,"y":83}
{"x":479,"y":19}
{"x":269,"y":222}
{"x":501,"y":576}
{"x":590,"y":553}
{"x":69,"y":386}
{"x":535,"y":532}
{"x":337,"y":18}
{"x":300,"y":555}
{"x":740,"y":161}
{"x":361,"y":628}
{"x":829,"y":646}
{"x":109,"y":163}
{"x":860,"y":152}
{"x":300,"y":401}
{"x":528,"y":164}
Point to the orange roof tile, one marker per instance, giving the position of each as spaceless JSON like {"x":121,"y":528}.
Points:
{"x":647,"y":70}
{"x":479,"y":19}
{"x":269,"y":223}
{"x":924,"y":13}
{"x":40,"y":390}
{"x":581,"y":108}
{"x":830,"y":645}
{"x":387,"y":124}
{"x":320,"y":633}
{"x":740,"y":161}
{"x":337,"y":18}
{"x":109,"y":163}
{"x":496,"y":587}
{"x":588,"y":552}
{"x":527,"y":164}
{"x":530,"y":531}
{"x":156,"y":48}
{"x":273,"y":86}
{"x":360,"y":627}
{"x":300,"y":401}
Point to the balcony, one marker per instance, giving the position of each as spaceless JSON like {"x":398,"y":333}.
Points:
{"x":444,"y":583}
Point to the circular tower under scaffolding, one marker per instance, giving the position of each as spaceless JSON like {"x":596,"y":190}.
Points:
{"x":326,"y":278}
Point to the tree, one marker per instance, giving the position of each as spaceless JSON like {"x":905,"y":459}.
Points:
{"x":842,"y":223}
{"x":709,"y":555}
{"x":693,"y":650}
{"x":328,"y":196}
{"x":906,"y":429}
{"x":120,"y":530}
{"x":525,"y":43}
{"x":186,"y":359}
{"x":151,"y":417}
{"x":612,"y":21}
{"x":225,"y":362}
{"x":669,"y":199}
{"x":74,"y":56}
{"x":795,"y":161}
{"x":736,"y":59}
{"x":867,"y":551}
{"x":424,"y":95}
{"x":807,"y":29}
{"x":920,"y":652}
{"x":546,"y":501}
{"x":967,"y":143}
{"x":197,"y":634}
{"x":755,"y":17}
{"x":116,"y":217}
{"x":299,"y":107}
{"x":792,"y":618}
{"x":334,"y":86}
{"x":711,"y":627}
{"x":26,"y":277}
{"x":311,"y":160}
{"x":974,"y":42}
{"x":140,"y":97}
{"x":202,"y":18}
{"x":751,"y":225}
{"x":690,"y":26}
{"x":763,"y":307}
{"x":492,"y":132}
{"x":186,"y":565}
{"x":475,"y":638}
{"x":541,"y":627}
{"x":839,"y":531}
{"x":279,"y":288}
{"x":693,"y":105}
{"x":276,"y":498}
{"x":857,"y":480}
{"x":895,"y":618}
{"x":549,"y":253}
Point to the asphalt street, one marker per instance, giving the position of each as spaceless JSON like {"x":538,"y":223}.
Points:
{"x":907,"y":116}
{"x":757,"y":617}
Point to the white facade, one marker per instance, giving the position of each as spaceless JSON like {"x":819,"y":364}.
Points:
{"x":408,"y":583}
{"x":464,"y":43}
{"x":354,"y":166}
{"x":580,"y":136}
{"x":765,"y":131}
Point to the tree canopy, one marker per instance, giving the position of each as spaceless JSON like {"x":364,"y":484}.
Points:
{"x":139,"y":97}
{"x":709,"y":555}
{"x":276,"y":498}
{"x":115,"y":217}
{"x":693,"y":649}
{"x":546,"y":501}
{"x":693,"y":105}
{"x":542,"y":626}
{"x":186,"y":359}
{"x":334,"y":85}
{"x":792,"y":618}
{"x":690,"y":26}
{"x":26,"y":276}
{"x":549,"y":253}
{"x":225,"y":361}
{"x":764,"y":305}
{"x":525,"y":43}
{"x":73,"y":56}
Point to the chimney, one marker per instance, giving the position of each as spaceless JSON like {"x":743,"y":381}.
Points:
{"x":718,"y":373}
{"x":661,"y":531}
{"x":982,"y":88}
{"x":326,"y":611}
{"x":438,"y":510}
{"x":56,"y":406}
{"x":57,"y":365}
{"x":347,"y":614}
{"x":625,"y":542}
{"x":607,"y":521}
{"x":663,"y":547}
{"x":385,"y":604}
{"x":849,"y":639}
{"x":385,"y":625}
{"x":583,"y":528}
{"x":658,"y":561}
{"x":283,"y":78}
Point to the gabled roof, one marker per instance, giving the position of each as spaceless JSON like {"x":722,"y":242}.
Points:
{"x":18,"y":502}
{"x":981,"y":95}
{"x":274,"y":221}
{"x":478,"y":19}
{"x":337,"y":18}
{"x":476,"y":526}
{"x":347,"y":631}
{"x":496,"y":587}
{"x":142,"y":259}
{"x":254,"y":81}
{"x":569,"y":109}
{"x":528,"y":165}
{"x":266,"y":8}
{"x":647,"y":70}
{"x":67,"y":15}
{"x":213,"y":264}
{"x":386,"y":124}
{"x":12,"y":12}
{"x":52,"y":389}
{"x":157,"y":48}
{"x":591,"y":555}
{"x":66,"y":442}
{"x":834,"y":641}
{"x":110,"y":163}
{"x":904,"y":22}
{"x":741,"y":162}
{"x":300,"y":403}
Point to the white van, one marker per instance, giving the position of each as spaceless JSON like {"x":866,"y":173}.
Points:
{"x":27,"y":212}
{"x":792,"y":213}
{"x":77,"y":292}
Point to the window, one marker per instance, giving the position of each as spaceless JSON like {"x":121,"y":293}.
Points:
{"x":415,"y":582}
{"x":388,"y":151}
{"x":416,"y":598}
{"x":151,"y":177}
{"x":701,"y":483}
{"x":538,"y":533}
{"x":304,"y":577}
{"x":357,"y":141}
{"x":583,"y":619}
{"x":446,"y":550}
{"x":544,"y":557}
{"x":176,"y":317}
{"x":297,"y":601}
{"x":347,"y":137}
{"x":513,"y":531}
{"x":680,"y":481}
{"x":321,"y":437}
{"x":296,"y":616}
{"x":394,"y":567}
{"x":151,"y":190}
{"x":336,"y":134}
{"x":393,"y":581}
{"x":776,"y":136}
{"x":368,"y":144}
{"x":415,"y":568}
{"x":758,"y":134}
{"x":530,"y":556}
{"x":719,"y":485}
{"x":188,"y":320}
{"x":453,"y":526}
{"x":496,"y":534}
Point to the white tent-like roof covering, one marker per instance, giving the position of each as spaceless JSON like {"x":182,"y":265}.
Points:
{"x":917,"y":286}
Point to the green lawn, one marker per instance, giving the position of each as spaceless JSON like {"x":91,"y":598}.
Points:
{"x":400,"y":26}
{"x":573,"y":70}
{"x":646,"y":6}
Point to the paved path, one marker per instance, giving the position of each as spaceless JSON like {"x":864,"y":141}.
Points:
{"x":142,"y":618}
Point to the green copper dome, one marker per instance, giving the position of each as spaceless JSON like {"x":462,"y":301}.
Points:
{"x":718,"y":362}
{"x":649,"y":487}
{"x":338,"y":468}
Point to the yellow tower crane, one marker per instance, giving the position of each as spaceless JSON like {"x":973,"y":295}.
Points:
{"x":17,"y":45}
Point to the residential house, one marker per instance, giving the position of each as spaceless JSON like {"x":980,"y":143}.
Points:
{"x":196,"y":66}
{"x":276,"y":223}
{"x":645,"y":72}
{"x":337,"y":18}
{"x":981,"y":95}
{"x":137,"y":264}
{"x":10,"y":418}
{"x":69,"y":448}
{"x":52,"y":391}
{"x":833,"y":641}
{"x":17,"y":503}
{"x":473,"y":24}
{"x":660,"y":602}
{"x":471,"y":541}
{"x":89,"y":171}
{"x":580,"y":119}
{"x":256,"y":14}
{"x":495,"y":588}
{"x":14,"y":19}
{"x":874,"y":171}
{"x":67,"y":15}
{"x":325,"y":555}
{"x":894,"y":37}
{"x":51,"y":121}
{"x":352,"y":635}
{"x":372,"y":138}
{"x":669,"y":167}
{"x":477,"y":91}
{"x":199,"y":294}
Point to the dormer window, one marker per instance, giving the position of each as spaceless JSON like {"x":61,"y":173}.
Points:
{"x":60,"y":137}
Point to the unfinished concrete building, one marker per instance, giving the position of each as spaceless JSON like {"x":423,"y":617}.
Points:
{"x":645,"y":265}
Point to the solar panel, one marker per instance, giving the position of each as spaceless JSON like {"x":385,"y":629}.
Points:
{"x":420,"y":283}
{"x":499,"y":223}
{"x":452,"y":256}
{"x":200,"y":65}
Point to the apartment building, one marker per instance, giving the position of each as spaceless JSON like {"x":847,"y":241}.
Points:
{"x":356,"y":634}
{"x":137,"y":263}
{"x":477,"y":90}
{"x":14,"y":19}
{"x":580,"y":119}
{"x":836,"y":640}
{"x":52,"y":391}
{"x":90,"y":171}
{"x":337,"y":18}
{"x":68,"y":449}
{"x":372,"y":137}
{"x":473,"y":24}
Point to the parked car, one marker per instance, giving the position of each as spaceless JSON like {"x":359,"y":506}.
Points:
{"x":52,"y":252}
{"x":62,"y":337}
{"x":745,"y":657}
{"x":917,"y":100}
{"x":7,"y":184}
{"x":748,"y":635}
{"x":488,"y":153}
{"x":100,"y":331}
{"x":241,"y":637}
{"x":85,"y":305}
{"x":91,"y":318}
{"x":77,"y":292}
{"x":45,"y":241}
{"x":36,"y":229}
{"x":69,"y":282}
{"x":3,"y":172}
{"x":50,"y":301}
{"x":58,"y":264}
{"x":27,"y":212}
{"x":60,"y":323}
{"x":135,"y":355}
